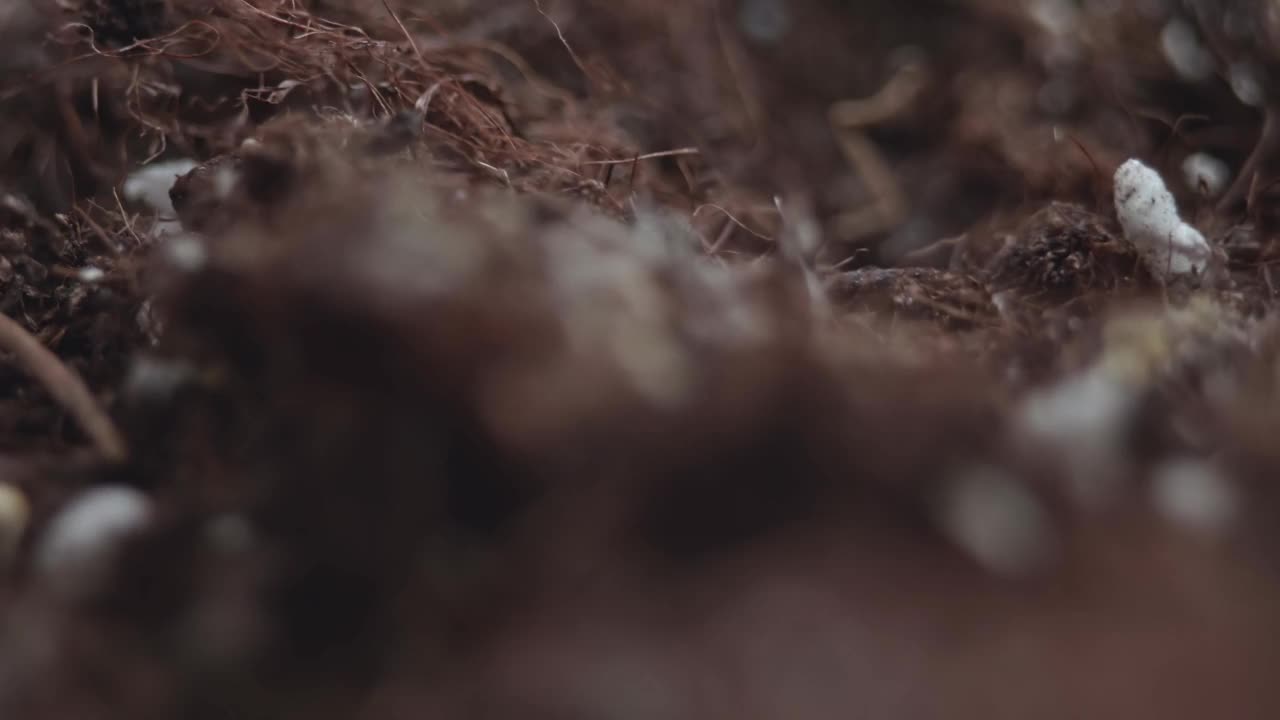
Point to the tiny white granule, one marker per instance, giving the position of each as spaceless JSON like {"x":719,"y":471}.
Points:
{"x":1193,"y":494}
{"x":81,"y":538}
{"x":1205,"y":173}
{"x":225,"y":180}
{"x":1247,"y":84}
{"x":150,"y":184}
{"x":1082,"y":421}
{"x":166,"y":229}
{"x":997,"y":521}
{"x":155,"y":378}
{"x":1184,"y":51}
{"x":1149,"y":216}
{"x":186,"y":252}
{"x":90,"y":274}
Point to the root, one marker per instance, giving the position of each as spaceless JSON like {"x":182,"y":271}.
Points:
{"x":65,"y":386}
{"x":849,"y":119}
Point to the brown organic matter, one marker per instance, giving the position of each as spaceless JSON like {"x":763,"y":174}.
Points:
{"x":604,"y":359}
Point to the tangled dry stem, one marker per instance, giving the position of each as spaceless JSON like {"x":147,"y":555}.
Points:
{"x":65,"y":386}
{"x":283,"y":57}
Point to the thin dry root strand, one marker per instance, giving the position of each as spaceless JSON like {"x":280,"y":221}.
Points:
{"x":65,"y":385}
{"x":849,"y":119}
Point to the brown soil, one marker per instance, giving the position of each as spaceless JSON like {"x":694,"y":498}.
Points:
{"x":591,"y":359}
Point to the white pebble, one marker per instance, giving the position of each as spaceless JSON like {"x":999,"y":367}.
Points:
{"x":91,"y":274}
{"x":1247,"y":84}
{"x":150,"y":185}
{"x":185,"y":252}
{"x":165,"y":229}
{"x":1194,"y":495}
{"x":1205,"y":173}
{"x":1183,"y":50}
{"x":156,"y":379}
{"x":1081,"y":421}
{"x":1149,"y":216}
{"x":997,"y":521}
{"x":225,"y":180}
{"x":82,"y":537}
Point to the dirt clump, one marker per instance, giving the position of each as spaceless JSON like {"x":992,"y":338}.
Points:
{"x":1063,"y":252}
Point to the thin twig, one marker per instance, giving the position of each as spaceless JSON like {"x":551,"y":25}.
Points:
{"x":124,"y":216}
{"x":506,"y":177}
{"x":725,"y":233}
{"x":65,"y":385}
{"x":735,"y":220}
{"x":407,"y":35}
{"x":98,"y":230}
{"x":274,"y":18}
{"x":563,"y":41}
{"x":647,"y":156}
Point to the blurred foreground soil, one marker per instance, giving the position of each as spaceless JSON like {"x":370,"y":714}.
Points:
{"x":626,"y":359}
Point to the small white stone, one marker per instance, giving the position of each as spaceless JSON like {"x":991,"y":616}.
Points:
{"x":150,"y":185}
{"x":1205,"y":173}
{"x":1149,"y":216}
{"x":997,"y":521}
{"x":186,"y":252}
{"x":83,"y":536}
{"x":1184,"y":51}
{"x":1193,"y":494}
{"x":225,"y":180}
{"x":1090,"y":405}
{"x":156,"y":379}
{"x":90,"y":274}
{"x":165,"y":229}
{"x":1247,"y":84}
{"x":1081,"y":420}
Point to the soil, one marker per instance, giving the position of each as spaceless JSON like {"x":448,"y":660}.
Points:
{"x":587,"y":359}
